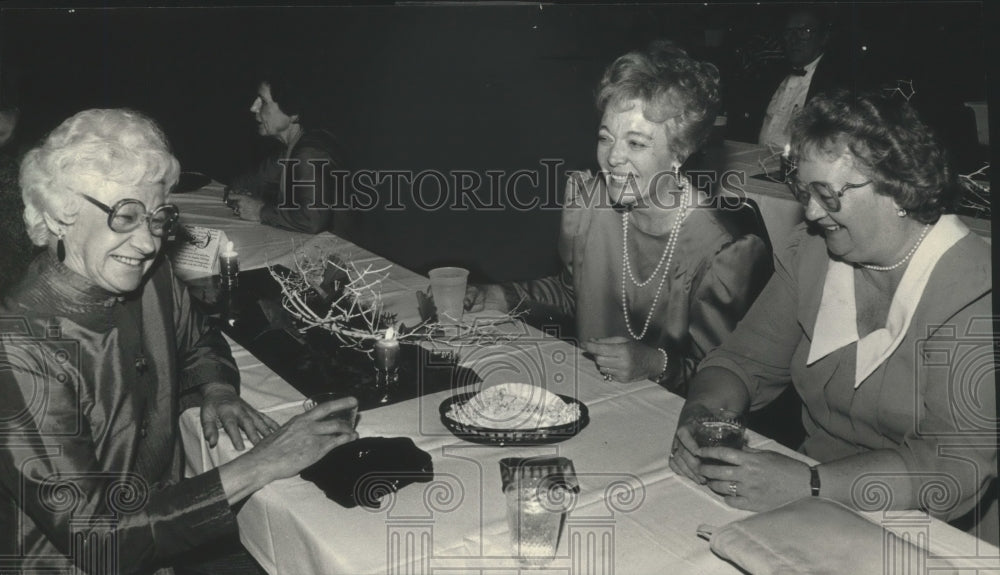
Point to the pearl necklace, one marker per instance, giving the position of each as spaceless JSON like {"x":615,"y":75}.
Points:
{"x":905,"y":259}
{"x":665,"y":260}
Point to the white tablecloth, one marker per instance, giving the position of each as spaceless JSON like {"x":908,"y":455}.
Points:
{"x":260,"y":246}
{"x":633,"y":515}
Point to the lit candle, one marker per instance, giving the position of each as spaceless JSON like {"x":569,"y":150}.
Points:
{"x":229,"y":266}
{"x":786,"y":162}
{"x":387,"y":351}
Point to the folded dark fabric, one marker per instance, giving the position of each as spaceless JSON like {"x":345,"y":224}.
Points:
{"x":364,"y":471}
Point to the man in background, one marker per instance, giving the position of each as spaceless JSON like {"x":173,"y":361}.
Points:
{"x":806,"y":36}
{"x":761,"y":109}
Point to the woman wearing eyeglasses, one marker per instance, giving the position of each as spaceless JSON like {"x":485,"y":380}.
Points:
{"x":99,"y":344}
{"x":880,"y":316}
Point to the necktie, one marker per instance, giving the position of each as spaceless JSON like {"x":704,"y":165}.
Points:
{"x":797,"y":72}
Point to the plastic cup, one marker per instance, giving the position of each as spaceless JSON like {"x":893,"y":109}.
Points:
{"x":535,"y":517}
{"x":348,"y":415}
{"x":448,"y":288}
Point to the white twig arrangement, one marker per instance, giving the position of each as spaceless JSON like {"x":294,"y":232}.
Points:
{"x":345,"y":299}
{"x":782,"y":173}
{"x":976,"y":192}
{"x":903,"y":87}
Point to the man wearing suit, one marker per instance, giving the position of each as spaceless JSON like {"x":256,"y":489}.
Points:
{"x":763,"y":104}
{"x":806,"y":36}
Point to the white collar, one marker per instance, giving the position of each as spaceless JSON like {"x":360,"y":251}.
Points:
{"x":837,"y":324}
{"x":811,"y":66}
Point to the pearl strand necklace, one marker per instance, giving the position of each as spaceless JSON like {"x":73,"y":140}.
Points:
{"x":905,"y":259}
{"x":667,"y":257}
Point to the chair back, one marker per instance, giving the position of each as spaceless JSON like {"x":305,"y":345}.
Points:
{"x":743,"y":214}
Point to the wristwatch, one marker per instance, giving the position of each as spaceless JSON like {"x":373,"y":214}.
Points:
{"x":814,"y":480}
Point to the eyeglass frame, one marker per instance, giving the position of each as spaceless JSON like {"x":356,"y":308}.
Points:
{"x":799,"y":32}
{"x":824,"y":200}
{"x":113,"y":210}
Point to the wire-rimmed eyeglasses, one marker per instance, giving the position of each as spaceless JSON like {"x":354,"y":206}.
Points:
{"x":128,"y":214}
{"x":798,"y":32}
{"x":822,"y":191}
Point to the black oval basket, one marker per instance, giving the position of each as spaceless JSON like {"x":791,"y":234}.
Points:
{"x":502,"y":437}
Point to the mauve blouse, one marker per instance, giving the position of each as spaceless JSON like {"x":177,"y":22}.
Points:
{"x":715,"y":274}
{"x":89,"y":467}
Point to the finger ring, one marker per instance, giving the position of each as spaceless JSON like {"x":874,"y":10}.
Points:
{"x":732,"y":488}
{"x":607,"y":377}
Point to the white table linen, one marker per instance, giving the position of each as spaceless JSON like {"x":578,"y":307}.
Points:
{"x":633,"y":514}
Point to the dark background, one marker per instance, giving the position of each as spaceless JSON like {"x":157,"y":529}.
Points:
{"x":411,"y":87}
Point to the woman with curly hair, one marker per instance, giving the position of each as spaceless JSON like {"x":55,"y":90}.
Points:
{"x":100,"y":342}
{"x":654,"y":275}
{"x":881,"y":317}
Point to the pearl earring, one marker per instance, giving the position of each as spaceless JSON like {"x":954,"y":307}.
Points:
{"x":901,"y":212}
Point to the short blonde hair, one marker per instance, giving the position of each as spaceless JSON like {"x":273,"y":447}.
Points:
{"x":120,"y":146}
{"x":678,"y":91}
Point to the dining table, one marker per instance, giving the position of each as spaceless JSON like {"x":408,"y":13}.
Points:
{"x":631,"y":513}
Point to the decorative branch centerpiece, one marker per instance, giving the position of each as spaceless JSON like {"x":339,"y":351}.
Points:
{"x":975,"y":199}
{"x":345,"y":299}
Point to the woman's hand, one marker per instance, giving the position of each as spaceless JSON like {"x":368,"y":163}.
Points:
{"x":684,"y":453}
{"x":304,"y":439}
{"x":223,"y":407}
{"x":485,"y":297}
{"x":684,"y":449}
{"x":246,"y":207}
{"x":624,"y":359}
{"x":755,"y":480}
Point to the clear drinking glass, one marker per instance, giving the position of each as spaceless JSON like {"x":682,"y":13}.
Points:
{"x":535,"y":512}
{"x":721,"y":428}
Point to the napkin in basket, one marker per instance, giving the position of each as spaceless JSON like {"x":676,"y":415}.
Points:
{"x":818,"y":536}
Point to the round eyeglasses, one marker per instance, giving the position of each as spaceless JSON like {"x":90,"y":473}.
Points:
{"x":822,"y":191}
{"x":128,"y":214}
{"x":798,"y":32}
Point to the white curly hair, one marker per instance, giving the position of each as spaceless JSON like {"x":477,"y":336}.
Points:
{"x":114,"y":145}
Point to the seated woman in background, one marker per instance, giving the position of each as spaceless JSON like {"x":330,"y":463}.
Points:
{"x":881,"y":318}
{"x":100,"y":340}
{"x":310,"y":154}
{"x":654,"y":276}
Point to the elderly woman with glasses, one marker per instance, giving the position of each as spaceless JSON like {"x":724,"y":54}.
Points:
{"x":99,"y":343}
{"x":880,"y":316}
